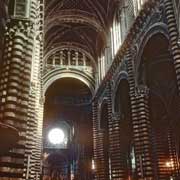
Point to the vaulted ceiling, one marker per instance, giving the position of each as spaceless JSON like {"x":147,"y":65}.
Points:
{"x":79,"y":23}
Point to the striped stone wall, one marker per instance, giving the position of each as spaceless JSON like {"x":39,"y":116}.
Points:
{"x":36,"y":100}
{"x":100,"y":157}
{"x":14,"y":87}
{"x":20,"y":95}
{"x":141,"y":124}
{"x":154,"y":14}
{"x":174,"y":36}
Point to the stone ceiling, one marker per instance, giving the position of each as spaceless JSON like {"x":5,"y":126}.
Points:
{"x":81,"y":23}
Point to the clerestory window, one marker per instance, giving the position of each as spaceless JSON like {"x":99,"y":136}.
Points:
{"x":19,"y":8}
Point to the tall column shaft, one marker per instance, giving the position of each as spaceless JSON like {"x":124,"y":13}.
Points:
{"x":15,"y":85}
{"x":174,"y":37}
{"x":118,"y":156}
{"x":100,"y":157}
{"x":141,"y":126}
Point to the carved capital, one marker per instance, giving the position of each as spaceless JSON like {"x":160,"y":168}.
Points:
{"x":24,"y":26}
{"x":142,"y":90}
{"x":116,"y":116}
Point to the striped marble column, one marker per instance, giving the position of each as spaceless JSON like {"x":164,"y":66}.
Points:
{"x":175,"y":47}
{"x":141,"y":125}
{"x":95,"y":138}
{"x":110,"y":133}
{"x":33,"y":153}
{"x":174,"y":36}
{"x":100,"y":156}
{"x":118,"y":160}
{"x":35,"y":118}
{"x":14,"y":87}
{"x":118,"y":156}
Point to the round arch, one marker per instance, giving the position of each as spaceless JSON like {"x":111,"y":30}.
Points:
{"x":157,"y":28}
{"x":123,"y":75}
{"x":103,"y":123}
{"x":102,"y":104}
{"x":155,"y":70}
{"x":56,"y":163}
{"x":121,"y":107}
{"x":67,"y":73}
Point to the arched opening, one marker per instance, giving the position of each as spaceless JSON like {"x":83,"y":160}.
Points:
{"x":56,"y":165}
{"x":122,"y":109}
{"x":68,"y":108}
{"x":59,"y":73}
{"x":157,"y":72}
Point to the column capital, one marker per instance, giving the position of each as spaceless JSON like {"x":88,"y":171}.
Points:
{"x":142,"y":90}
{"x":116,"y":116}
{"x":24,"y":26}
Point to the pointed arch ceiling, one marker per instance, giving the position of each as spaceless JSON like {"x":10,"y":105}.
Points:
{"x":83,"y":23}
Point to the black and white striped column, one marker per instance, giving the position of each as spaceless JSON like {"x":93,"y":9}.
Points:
{"x":174,"y":35}
{"x":141,"y":125}
{"x":14,"y":87}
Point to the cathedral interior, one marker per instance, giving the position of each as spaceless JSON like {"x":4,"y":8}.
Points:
{"x":89,"y":90}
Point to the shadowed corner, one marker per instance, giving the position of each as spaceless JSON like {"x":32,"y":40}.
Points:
{"x":8,"y":137}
